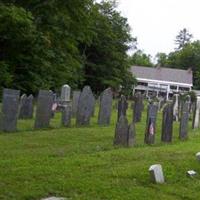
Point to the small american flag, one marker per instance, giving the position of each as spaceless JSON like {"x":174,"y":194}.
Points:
{"x":151,"y":129}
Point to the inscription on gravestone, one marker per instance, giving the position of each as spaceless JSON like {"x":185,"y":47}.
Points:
{"x":10,"y":105}
{"x":151,"y":124}
{"x":44,"y":109}
{"x":105,"y":107}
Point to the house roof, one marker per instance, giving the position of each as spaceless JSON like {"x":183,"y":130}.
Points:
{"x":163,"y":74}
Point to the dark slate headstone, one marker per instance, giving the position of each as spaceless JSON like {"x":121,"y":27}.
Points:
{"x":151,"y":124}
{"x":121,"y":131}
{"x":138,"y":107}
{"x":131,"y":135}
{"x":183,"y":129}
{"x":122,"y":107}
{"x":44,"y":109}
{"x":10,"y":106}
{"x":124,"y":133}
{"x":105,"y":107}
{"x":26,"y":107}
{"x":75,"y":99}
{"x":167,"y":123}
{"x":66,"y":115}
{"x":85,"y":106}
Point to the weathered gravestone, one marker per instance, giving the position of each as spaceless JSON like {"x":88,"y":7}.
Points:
{"x":66,"y":115}
{"x":44,"y":109}
{"x":75,"y":99}
{"x":65,"y":94}
{"x":26,"y":107}
{"x":183,"y":129}
{"x":85,"y":106}
{"x":105,"y":108}
{"x":124,"y":133}
{"x":156,"y":174}
{"x":176,"y":107}
{"x":196,"y":117}
{"x":167,"y":123}
{"x":138,"y":107}
{"x":151,"y":124}
{"x":122,"y":107}
{"x":10,"y":106}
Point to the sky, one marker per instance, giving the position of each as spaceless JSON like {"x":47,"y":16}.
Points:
{"x":156,"y":23}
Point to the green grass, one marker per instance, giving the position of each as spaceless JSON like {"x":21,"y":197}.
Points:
{"x":82,"y":163}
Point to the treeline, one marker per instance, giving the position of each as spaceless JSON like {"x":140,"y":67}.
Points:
{"x":186,"y":55}
{"x":48,"y":43}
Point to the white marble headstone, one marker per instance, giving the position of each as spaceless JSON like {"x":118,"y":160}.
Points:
{"x":65,"y":93}
{"x":156,"y":173}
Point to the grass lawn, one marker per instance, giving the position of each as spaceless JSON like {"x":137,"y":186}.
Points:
{"x":82,"y":163}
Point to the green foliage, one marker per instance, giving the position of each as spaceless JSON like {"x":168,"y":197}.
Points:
{"x":139,"y":58}
{"x":183,"y":38}
{"x":45,"y":44}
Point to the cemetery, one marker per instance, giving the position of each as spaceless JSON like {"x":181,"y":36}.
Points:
{"x":77,"y":146}
{"x":99,"y":100}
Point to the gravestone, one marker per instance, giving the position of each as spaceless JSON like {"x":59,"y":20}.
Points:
{"x":196,"y":118}
{"x":105,"y":108}
{"x":167,"y":123}
{"x":124,"y":134}
{"x":26,"y":107}
{"x":176,"y":107}
{"x":191,"y":173}
{"x":122,"y":107}
{"x":10,"y":106}
{"x":156,"y":174}
{"x":183,"y":128}
{"x":138,"y":107}
{"x":65,"y":94}
{"x":44,"y":109}
{"x":85,"y":106}
{"x":75,"y":99}
{"x":66,"y":115}
{"x":198,"y":156}
{"x":151,"y":124}
{"x":93,"y":105}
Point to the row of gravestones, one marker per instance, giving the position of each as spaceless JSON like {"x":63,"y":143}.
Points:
{"x":83,"y":105}
{"x":125,"y":133}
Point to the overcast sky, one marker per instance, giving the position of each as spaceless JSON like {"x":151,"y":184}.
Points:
{"x":156,"y":23}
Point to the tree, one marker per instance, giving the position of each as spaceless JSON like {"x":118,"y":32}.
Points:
{"x":183,"y":38}
{"x":161,"y":59}
{"x":141,"y":59}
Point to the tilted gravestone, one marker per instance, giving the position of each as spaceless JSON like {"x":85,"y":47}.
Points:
{"x":75,"y":99}
{"x":85,"y":106}
{"x":156,"y":173}
{"x":26,"y":107}
{"x":183,"y":128}
{"x":10,"y":106}
{"x":167,"y":123}
{"x":138,"y":107}
{"x":124,"y":134}
{"x":151,"y":124}
{"x":105,"y":107}
{"x":122,"y":107}
{"x":196,"y":117}
{"x":66,"y":115}
{"x":44,"y":109}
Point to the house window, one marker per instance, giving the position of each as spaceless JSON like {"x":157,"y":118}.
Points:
{"x":142,"y":83}
{"x":173,"y":87}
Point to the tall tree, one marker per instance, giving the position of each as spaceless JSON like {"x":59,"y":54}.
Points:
{"x":183,"y":38}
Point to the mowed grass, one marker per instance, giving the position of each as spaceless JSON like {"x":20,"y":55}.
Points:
{"x":82,"y":163}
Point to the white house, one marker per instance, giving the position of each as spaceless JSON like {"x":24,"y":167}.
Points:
{"x":163,"y":81}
